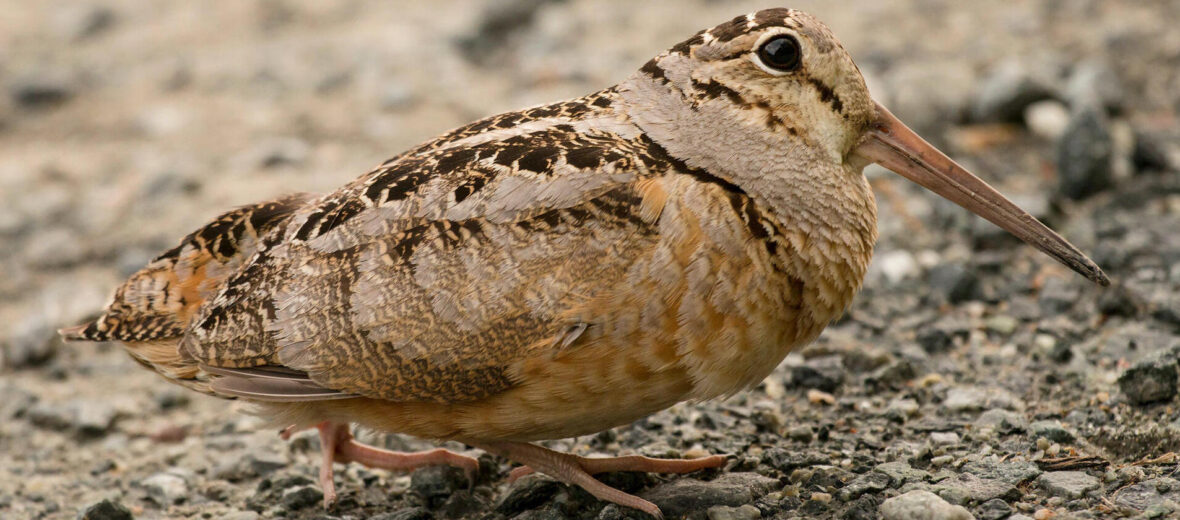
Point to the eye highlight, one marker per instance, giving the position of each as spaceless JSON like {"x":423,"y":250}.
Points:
{"x":781,"y":53}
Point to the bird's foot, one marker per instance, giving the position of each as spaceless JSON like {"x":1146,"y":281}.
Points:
{"x":576,"y":470}
{"x":339,"y":446}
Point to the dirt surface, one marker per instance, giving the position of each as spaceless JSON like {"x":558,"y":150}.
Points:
{"x":970,"y":367}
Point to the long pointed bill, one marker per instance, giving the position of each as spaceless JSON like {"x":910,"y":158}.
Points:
{"x":893,"y":145}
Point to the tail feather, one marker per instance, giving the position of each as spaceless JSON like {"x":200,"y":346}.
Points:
{"x":151,"y":311}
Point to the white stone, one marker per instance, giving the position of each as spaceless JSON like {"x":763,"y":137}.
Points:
{"x":922,"y":505}
{"x":1047,"y":119}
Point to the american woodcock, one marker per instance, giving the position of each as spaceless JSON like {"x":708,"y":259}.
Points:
{"x":559,"y":270}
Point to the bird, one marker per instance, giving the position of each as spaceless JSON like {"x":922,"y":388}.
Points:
{"x":559,"y":270}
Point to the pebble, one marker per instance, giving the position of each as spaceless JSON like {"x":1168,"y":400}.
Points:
{"x":1002,"y":421}
{"x":1068,"y":484}
{"x":31,"y":343}
{"x":954,"y":283}
{"x":966,"y":488}
{"x":526,"y":493}
{"x":1011,"y":472}
{"x":1047,"y":119}
{"x":1095,"y":84}
{"x":1057,"y":296}
{"x":1009,"y":88}
{"x":871,"y":482}
{"x":944,"y":438}
{"x":42,"y":90}
{"x":1143,"y":495}
{"x":820,"y":397}
{"x":901,"y":409}
{"x":301,"y":496}
{"x":744,"y":512}
{"x":900,"y":473}
{"x":994,"y":509}
{"x":435,"y":483}
{"x":1084,"y":156}
{"x":686,"y":495}
{"x":1149,"y":154}
{"x":1149,"y":380}
{"x":166,"y":488}
{"x":87,"y":418}
{"x":968,"y":398}
{"x":895,"y":266}
{"x":823,"y":373}
{"x":105,"y":509}
{"x":922,"y":505}
{"x":1052,"y":430}
{"x":462,"y":503}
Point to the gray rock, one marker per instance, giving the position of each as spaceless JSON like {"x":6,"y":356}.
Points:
{"x":940,"y":337}
{"x":1120,"y":301}
{"x":683,"y":496}
{"x":1011,"y":472}
{"x":1057,"y":296}
{"x":871,"y":482}
{"x":1094,"y":84}
{"x":32,"y":343}
{"x":1084,"y":156}
{"x":1149,"y":155}
{"x":965,"y":489}
{"x":300,"y":497}
{"x":900,"y":473}
{"x":1148,"y":493}
{"x":1052,"y":430}
{"x":435,"y":483}
{"x":922,"y":505}
{"x":87,"y":419}
{"x":166,"y":488}
{"x":965,"y":399}
{"x":171,"y":398}
{"x":265,"y":463}
{"x":1002,"y":421}
{"x":1068,"y":484}
{"x":954,"y":283}
{"x":745,"y":512}
{"x":1009,"y":88}
{"x":787,"y":461}
{"x":527,"y":493}
{"x":994,"y":509}
{"x":1150,"y":380}
{"x":105,"y":509}
{"x":42,"y":90}
{"x":822,"y":373}
{"x":462,"y":503}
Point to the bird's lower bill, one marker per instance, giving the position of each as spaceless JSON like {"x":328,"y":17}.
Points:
{"x":890,"y":143}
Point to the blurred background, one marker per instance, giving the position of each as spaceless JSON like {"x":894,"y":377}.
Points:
{"x":126,"y":124}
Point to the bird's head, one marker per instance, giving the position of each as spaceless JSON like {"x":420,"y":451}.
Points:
{"x":784,"y":87}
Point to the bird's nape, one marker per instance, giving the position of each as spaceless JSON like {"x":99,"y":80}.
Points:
{"x":890,"y":143}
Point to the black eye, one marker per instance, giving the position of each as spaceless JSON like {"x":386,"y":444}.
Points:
{"x":781,"y":53}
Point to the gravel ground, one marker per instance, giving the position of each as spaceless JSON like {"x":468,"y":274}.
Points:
{"x":973,"y":378}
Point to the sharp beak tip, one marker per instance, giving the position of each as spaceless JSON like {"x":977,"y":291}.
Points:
{"x":890,"y":143}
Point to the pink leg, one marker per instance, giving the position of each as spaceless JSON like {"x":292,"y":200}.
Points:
{"x":577,"y":470}
{"x":339,"y":446}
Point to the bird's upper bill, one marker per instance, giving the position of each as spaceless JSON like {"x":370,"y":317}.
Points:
{"x":890,"y":143}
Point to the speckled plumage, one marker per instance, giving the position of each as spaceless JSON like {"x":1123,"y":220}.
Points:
{"x":544,"y":273}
